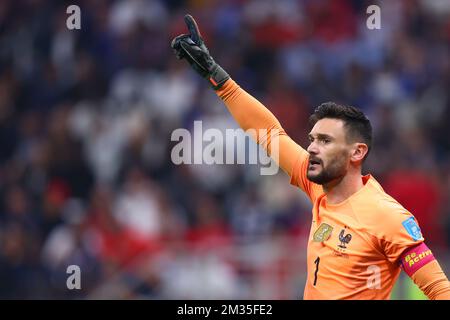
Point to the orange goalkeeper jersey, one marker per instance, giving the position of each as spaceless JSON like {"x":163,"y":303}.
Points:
{"x":354,"y":246}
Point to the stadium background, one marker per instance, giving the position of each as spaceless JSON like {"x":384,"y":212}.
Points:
{"x":85,"y":123}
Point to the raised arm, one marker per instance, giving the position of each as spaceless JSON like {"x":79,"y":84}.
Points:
{"x":246,"y":110}
{"x":252,"y":114}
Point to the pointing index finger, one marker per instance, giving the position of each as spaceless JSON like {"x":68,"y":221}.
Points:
{"x":193,"y":29}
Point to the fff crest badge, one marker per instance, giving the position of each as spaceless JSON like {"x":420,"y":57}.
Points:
{"x":323,"y":233}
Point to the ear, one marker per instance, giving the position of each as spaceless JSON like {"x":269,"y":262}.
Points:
{"x":358,"y":152}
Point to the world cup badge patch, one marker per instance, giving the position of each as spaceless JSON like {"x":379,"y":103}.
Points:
{"x":323,"y":233}
{"x":412,"y":228}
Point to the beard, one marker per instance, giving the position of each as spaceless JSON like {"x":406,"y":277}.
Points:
{"x":335,"y":170}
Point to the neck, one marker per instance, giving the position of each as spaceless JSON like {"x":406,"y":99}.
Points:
{"x":340,"y":189}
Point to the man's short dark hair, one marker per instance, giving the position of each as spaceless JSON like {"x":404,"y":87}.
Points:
{"x":358,"y":126}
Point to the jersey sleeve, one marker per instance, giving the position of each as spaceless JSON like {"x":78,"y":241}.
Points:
{"x":433,"y":282}
{"x":399,"y":231}
{"x":299,"y":179}
{"x":252,"y":115}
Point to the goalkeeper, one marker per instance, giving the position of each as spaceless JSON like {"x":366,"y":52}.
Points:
{"x":361,"y":238}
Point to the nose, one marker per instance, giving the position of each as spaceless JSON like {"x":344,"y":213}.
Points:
{"x":312,"y":149}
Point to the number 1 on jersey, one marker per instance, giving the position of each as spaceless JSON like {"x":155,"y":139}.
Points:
{"x":317,"y":261}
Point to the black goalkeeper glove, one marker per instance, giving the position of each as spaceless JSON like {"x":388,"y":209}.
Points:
{"x":192,"y":48}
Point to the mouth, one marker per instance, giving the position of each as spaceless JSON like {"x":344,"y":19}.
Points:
{"x":313,"y":164}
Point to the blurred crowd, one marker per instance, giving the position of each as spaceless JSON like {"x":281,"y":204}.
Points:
{"x":86,"y":117}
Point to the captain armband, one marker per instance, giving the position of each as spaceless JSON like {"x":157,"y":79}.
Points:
{"x":415,"y":258}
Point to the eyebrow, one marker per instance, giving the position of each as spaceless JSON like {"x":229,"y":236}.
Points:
{"x":321,"y":136}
